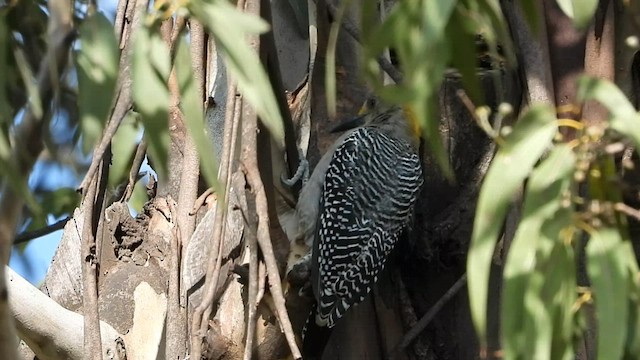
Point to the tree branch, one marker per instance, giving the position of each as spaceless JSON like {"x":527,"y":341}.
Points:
{"x":201,"y":313}
{"x":123,"y":101}
{"x":92,"y":344}
{"x":426,"y":318}
{"x":30,"y":235}
{"x":50,"y":330}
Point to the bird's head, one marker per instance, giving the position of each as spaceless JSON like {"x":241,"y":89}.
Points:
{"x":393,"y":119}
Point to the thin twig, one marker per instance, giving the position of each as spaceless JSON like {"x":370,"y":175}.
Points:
{"x":252,"y":301}
{"x":92,"y":343}
{"x":141,"y":152}
{"x":187,"y":193}
{"x":430,"y":315}
{"x":262,"y":273}
{"x":30,"y":235}
{"x":175,"y":349}
{"x":627,"y":210}
{"x":264,"y":240}
{"x":201,"y":200}
{"x":198,"y":321}
{"x":353,"y":30}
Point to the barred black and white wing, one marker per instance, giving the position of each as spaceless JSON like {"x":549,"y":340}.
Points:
{"x":369,"y":191}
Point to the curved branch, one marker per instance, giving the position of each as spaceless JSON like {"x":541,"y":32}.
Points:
{"x":50,"y":330}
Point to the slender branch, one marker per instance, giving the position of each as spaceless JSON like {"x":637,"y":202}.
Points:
{"x":175,"y":347}
{"x":141,"y":152}
{"x":264,"y":240}
{"x":627,"y":210}
{"x":123,"y":100}
{"x":252,"y":301}
{"x":92,"y":345}
{"x":49,"y":329}
{"x":430,"y":315}
{"x":30,"y":235}
{"x":91,"y":244}
{"x":202,"y":311}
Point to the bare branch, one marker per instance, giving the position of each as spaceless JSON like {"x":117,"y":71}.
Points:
{"x":141,"y":152}
{"x":92,"y":344}
{"x":49,"y":329}
{"x":252,"y":301}
{"x":627,"y":210}
{"x":426,"y":319}
{"x":30,"y":235}
{"x":203,"y":310}
{"x":123,"y":101}
{"x":175,"y":347}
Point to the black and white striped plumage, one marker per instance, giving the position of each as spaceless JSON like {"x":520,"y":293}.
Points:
{"x":367,"y":198}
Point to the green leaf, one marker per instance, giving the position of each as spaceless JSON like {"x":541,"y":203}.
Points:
{"x":632,"y":343}
{"x":608,"y":275}
{"x":229,"y":26}
{"x":435,"y":17}
{"x":192,"y":108}
{"x":35,"y":103}
{"x":123,"y":147}
{"x":543,"y":200}
{"x":608,"y":94}
{"x":150,"y":73}
{"x":522,"y":148}
{"x":97,"y":68}
{"x":581,"y":11}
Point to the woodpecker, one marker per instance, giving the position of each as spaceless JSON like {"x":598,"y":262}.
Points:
{"x":356,"y":204}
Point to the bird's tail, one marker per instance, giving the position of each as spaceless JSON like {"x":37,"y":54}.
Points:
{"x":314,"y":337}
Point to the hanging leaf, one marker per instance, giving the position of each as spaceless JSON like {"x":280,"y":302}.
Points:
{"x":522,"y":148}
{"x":580,"y":11}
{"x":543,"y":200}
{"x":97,"y":67}
{"x":229,"y":26}
{"x":123,"y":147}
{"x":150,"y":73}
{"x":608,"y":275}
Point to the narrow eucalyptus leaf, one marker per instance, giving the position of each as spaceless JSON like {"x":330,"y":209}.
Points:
{"x":609,"y":276}
{"x":580,"y":11}
{"x":543,"y":199}
{"x":530,"y":137}
{"x":97,"y":67}
{"x":150,"y":74}
{"x":229,"y":26}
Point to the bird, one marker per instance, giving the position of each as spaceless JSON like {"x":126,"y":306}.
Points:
{"x":355,"y":206}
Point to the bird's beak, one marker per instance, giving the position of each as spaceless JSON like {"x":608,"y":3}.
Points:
{"x":348,"y":124}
